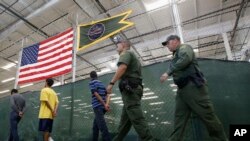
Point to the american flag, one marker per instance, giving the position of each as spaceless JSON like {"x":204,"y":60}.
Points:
{"x":49,"y":58}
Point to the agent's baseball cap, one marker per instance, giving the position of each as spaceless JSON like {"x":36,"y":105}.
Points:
{"x":171,"y":37}
{"x":118,"y":39}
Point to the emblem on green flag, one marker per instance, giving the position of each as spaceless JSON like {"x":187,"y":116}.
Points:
{"x":94,"y":32}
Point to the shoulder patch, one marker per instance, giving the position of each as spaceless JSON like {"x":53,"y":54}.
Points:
{"x":123,"y":53}
{"x":183,"y":46}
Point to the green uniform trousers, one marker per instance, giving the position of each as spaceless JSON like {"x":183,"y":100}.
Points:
{"x":132,"y":116}
{"x":192,"y":99}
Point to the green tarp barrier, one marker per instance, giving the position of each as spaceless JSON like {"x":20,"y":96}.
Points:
{"x":228,"y":85}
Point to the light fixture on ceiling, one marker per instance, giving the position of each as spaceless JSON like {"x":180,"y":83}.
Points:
{"x":196,"y":50}
{"x":7,"y":80}
{"x":154,"y":4}
{"x":8,"y":66}
{"x":4,"y":91}
{"x":57,"y":84}
{"x":113,"y":65}
{"x":103,"y":71}
{"x":23,"y":86}
{"x":169,"y":56}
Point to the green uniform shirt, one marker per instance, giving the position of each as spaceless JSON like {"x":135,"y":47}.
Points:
{"x":133,"y":65}
{"x":180,"y":65}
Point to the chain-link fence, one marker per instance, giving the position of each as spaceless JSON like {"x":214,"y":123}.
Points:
{"x":228,"y":85}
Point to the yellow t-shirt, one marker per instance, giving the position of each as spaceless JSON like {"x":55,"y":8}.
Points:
{"x":47,"y":94}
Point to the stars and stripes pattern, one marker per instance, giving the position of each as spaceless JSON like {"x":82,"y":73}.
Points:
{"x":49,"y":58}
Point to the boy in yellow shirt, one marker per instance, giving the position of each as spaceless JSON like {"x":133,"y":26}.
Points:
{"x":48,"y":109}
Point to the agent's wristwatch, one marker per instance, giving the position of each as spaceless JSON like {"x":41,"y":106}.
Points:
{"x":111,"y":83}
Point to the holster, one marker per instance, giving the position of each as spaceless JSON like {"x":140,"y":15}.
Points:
{"x":192,"y":74}
{"x":181,"y":82}
{"x":128,"y":84}
{"x":198,"y":79}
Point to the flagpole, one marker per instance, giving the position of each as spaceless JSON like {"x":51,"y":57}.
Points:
{"x":18,"y":65}
{"x":73,"y":75}
{"x":62,"y":79}
{"x":74,"y":56}
{"x":74,"y":50}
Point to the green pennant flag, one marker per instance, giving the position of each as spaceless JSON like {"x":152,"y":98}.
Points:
{"x":94,"y":32}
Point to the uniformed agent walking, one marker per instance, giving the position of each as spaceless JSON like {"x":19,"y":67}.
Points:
{"x":192,"y":94}
{"x":130,"y":85}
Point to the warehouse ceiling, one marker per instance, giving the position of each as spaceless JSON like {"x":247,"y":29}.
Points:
{"x":26,"y":22}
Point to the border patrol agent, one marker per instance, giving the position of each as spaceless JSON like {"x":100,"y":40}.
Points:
{"x":192,"y":94}
{"x":130,"y":85}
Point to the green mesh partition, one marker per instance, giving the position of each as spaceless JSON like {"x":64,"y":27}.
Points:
{"x":228,"y":85}
{"x":4,"y":114}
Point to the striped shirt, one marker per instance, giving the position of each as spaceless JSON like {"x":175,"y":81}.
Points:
{"x":97,"y":86}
